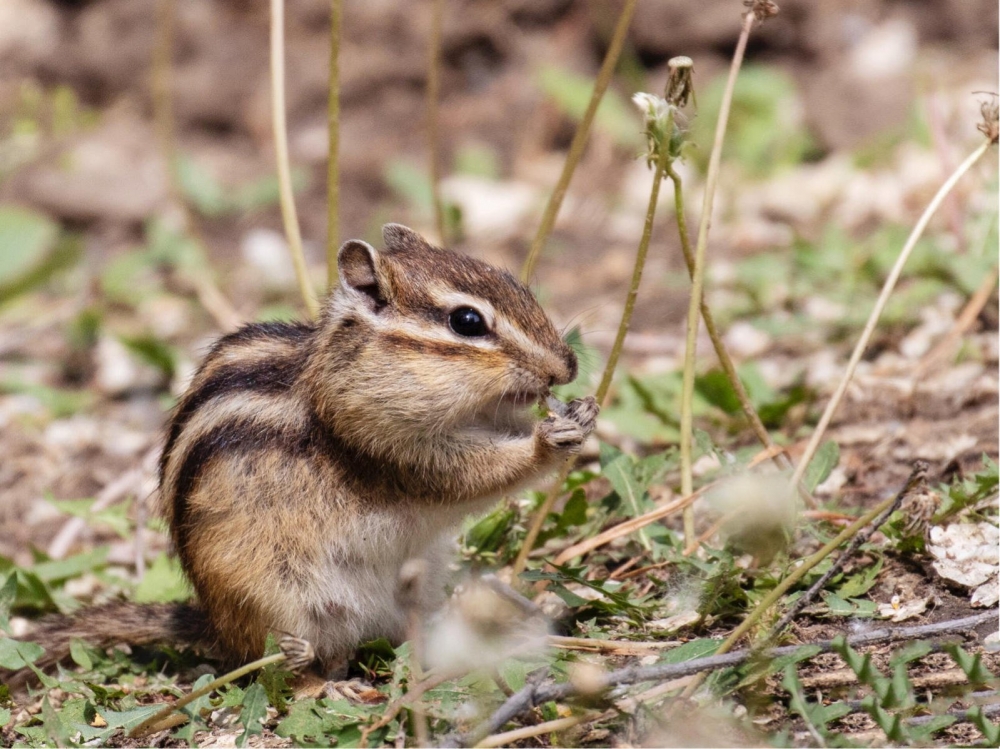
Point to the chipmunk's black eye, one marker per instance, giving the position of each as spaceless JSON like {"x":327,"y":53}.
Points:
{"x":467,"y":322}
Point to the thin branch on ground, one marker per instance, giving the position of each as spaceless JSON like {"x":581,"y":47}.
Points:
{"x":800,"y":571}
{"x":917,"y":480}
{"x":698,"y":273}
{"x":433,"y":96}
{"x":883,"y":299}
{"x":537,"y":694}
{"x":579,"y":140}
{"x":287,"y":197}
{"x":333,"y":139}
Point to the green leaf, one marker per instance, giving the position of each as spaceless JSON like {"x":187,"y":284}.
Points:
{"x":8,"y":592}
{"x":78,"y":652}
{"x":700,"y":648}
{"x":15,"y":654}
{"x":114,"y":517}
{"x":199,"y":186}
{"x":822,"y":464}
{"x":163,"y":582}
{"x":715,"y":387}
{"x":620,"y":473}
{"x":575,"y":511}
{"x":571,"y":93}
{"x":764,"y":132}
{"x":57,"y":732}
{"x":990,"y":730}
{"x":62,"y":569}
{"x":4,"y":716}
{"x":971,"y":664}
{"x":59,"y":402}
{"x":153,"y":351}
{"x":306,"y":725}
{"x":861,"y":582}
{"x":489,"y":533}
{"x":253,"y":713}
{"x":27,"y":240}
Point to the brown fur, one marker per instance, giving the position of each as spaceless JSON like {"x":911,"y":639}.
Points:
{"x":306,"y":463}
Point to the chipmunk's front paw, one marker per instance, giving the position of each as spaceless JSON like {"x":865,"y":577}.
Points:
{"x":567,"y":431}
{"x":299,"y":653}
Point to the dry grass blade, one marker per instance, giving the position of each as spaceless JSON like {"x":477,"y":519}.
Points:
{"x":637,"y":523}
{"x":698,"y":274}
{"x":946,"y":346}
{"x":205,"y":288}
{"x":579,"y":140}
{"x":551,"y":726}
{"x":288,"y":213}
{"x":433,"y":95}
{"x":883,"y":299}
{"x":333,"y":138}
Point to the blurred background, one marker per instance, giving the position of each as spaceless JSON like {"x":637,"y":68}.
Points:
{"x":848,"y":116}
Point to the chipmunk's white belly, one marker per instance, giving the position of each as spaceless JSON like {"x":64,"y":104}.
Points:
{"x":354,"y":596}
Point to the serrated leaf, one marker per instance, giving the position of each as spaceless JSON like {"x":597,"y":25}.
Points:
{"x":861,"y":582}
{"x":4,"y":716}
{"x":304,"y":725}
{"x":57,"y":732}
{"x":252,"y":714}
{"x":989,"y":729}
{"x":621,"y":476}
{"x":971,"y":664}
{"x":822,"y":464}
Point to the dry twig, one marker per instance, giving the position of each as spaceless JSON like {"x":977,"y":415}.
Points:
{"x":537,"y":694}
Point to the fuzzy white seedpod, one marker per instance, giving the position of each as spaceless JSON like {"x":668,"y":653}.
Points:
{"x":759,"y":513}
{"x":480,"y":629}
{"x":654,"y":108}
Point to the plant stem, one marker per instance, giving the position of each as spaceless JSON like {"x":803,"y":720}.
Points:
{"x":333,"y":159}
{"x":288,"y":214}
{"x":209,"y":295}
{"x":433,"y":95}
{"x":579,"y":140}
{"x":616,"y":348}
{"x":797,"y":574}
{"x":519,"y":734}
{"x":725,"y":360}
{"x":150,"y":723}
{"x":883,"y":299}
{"x":697,"y":281}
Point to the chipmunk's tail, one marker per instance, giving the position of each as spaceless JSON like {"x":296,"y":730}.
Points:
{"x":113,"y":624}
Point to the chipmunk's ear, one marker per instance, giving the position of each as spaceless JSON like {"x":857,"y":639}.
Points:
{"x":357,"y":263}
{"x":399,"y":238}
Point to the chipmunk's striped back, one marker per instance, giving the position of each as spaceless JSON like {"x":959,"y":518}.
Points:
{"x":307,"y":463}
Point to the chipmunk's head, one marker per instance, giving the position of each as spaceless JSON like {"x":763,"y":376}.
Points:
{"x":450,"y":337}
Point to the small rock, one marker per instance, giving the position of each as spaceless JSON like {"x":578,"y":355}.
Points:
{"x":491,"y":211}
{"x":267,"y":251}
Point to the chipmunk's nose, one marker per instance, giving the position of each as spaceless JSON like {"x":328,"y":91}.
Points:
{"x":565,"y":373}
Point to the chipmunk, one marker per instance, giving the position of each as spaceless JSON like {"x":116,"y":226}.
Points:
{"x":307,"y":462}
